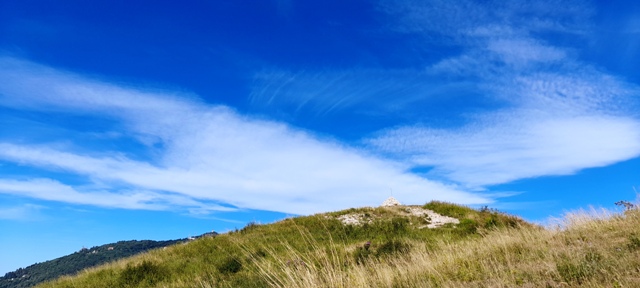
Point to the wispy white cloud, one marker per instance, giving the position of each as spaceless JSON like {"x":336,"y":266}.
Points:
{"x":499,"y":56}
{"x":560,"y":114}
{"x":25,"y":212}
{"x":454,"y":20}
{"x":519,"y":52}
{"x":496,"y":38}
{"x":52,"y":190}
{"x":507,"y":147}
{"x":327,"y":91}
{"x":206,"y":153}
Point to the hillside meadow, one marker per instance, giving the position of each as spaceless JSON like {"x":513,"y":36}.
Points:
{"x":391,"y":248}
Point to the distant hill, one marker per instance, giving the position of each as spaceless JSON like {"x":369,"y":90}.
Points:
{"x":85,"y":258}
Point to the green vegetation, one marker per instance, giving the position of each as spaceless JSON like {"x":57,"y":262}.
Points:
{"x":73,"y":263}
{"x":234,"y":259}
{"x":472,"y":220}
{"x":390,"y":249}
{"x":143,"y":274}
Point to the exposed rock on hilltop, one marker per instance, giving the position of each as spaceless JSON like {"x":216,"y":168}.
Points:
{"x":436,"y":219}
{"x":390,"y":202}
{"x":419,"y":216}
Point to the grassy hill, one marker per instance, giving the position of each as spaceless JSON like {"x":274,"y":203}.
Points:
{"x":72,"y":263}
{"x":391,"y":247}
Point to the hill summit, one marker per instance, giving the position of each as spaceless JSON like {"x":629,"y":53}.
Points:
{"x":263,"y":255}
{"x":393,"y":246}
{"x":390,"y":202}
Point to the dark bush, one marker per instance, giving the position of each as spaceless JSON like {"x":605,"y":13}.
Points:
{"x":492,"y":221}
{"x":260,"y":253}
{"x":146,"y":273}
{"x":250,"y":226}
{"x":392,"y":247}
{"x":11,"y":275}
{"x":230,"y":265}
{"x":468,"y":226}
{"x":361,"y":254}
{"x":634,"y":243}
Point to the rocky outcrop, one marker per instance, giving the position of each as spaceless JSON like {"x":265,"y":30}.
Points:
{"x":390,"y":202}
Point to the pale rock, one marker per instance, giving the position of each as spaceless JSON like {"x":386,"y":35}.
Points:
{"x":390,"y":202}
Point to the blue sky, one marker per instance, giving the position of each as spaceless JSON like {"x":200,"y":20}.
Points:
{"x":157,"y":120}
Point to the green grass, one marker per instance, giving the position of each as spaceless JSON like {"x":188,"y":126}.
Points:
{"x":487,"y":249}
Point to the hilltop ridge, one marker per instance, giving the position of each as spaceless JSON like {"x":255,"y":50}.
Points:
{"x":391,"y":247}
{"x":236,"y":259}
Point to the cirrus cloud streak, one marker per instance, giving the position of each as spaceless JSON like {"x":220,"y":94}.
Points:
{"x":203,"y":153}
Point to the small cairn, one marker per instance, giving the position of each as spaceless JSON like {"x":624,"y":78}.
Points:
{"x":390,"y":202}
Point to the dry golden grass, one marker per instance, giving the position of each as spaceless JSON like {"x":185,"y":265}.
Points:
{"x":593,"y":248}
{"x":585,"y":249}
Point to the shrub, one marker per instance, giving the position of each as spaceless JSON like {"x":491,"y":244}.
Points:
{"x":250,"y":226}
{"x":392,"y":247}
{"x":388,"y":248}
{"x":492,"y":221}
{"x":468,"y":226}
{"x":146,"y":273}
{"x":260,"y":253}
{"x":634,"y":242}
{"x":360,"y":255}
{"x":230,"y":265}
{"x":394,"y":228}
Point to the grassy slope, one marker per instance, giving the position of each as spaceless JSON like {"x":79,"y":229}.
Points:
{"x":486,"y":249}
